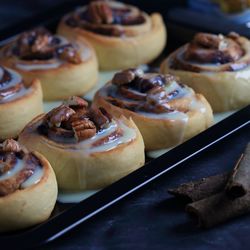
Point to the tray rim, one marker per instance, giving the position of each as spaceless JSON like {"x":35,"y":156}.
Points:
{"x":55,"y":227}
{"x":86,"y":209}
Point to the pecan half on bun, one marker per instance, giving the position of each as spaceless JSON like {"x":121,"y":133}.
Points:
{"x":122,"y":35}
{"x":19,"y":103}
{"x":86,"y":146}
{"x":64,"y":68}
{"x":165,"y":111}
{"x":28,"y":187}
{"x":216,"y":66}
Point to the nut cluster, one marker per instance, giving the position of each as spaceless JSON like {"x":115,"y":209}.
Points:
{"x":74,"y":117}
{"x":209,"y":48}
{"x":106,"y":18}
{"x":100,"y":12}
{"x":42,"y":45}
{"x":150,"y":94}
{"x":10,"y":153}
{"x":10,"y":145}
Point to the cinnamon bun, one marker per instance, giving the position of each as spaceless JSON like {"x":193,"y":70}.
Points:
{"x":122,"y":35}
{"x":28,"y":187}
{"x":87,"y":148}
{"x":216,"y":66}
{"x":64,"y":68}
{"x":18,"y":104}
{"x":165,"y":111}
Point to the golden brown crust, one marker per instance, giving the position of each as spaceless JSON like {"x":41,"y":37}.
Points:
{"x":63,"y":81}
{"x":225,"y":86}
{"x":127,"y":51}
{"x":32,"y":205}
{"x":15,"y":114}
{"x":163,"y":133}
{"x":75,"y":169}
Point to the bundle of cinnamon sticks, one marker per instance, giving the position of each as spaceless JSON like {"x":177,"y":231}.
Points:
{"x":216,"y":199}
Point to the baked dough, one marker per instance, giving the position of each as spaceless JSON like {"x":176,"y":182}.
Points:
{"x":165,"y":111}
{"x":122,"y":39}
{"x":92,"y":153}
{"x":64,"y":68}
{"x":18,"y":104}
{"x":223,"y":78}
{"x":33,"y":200}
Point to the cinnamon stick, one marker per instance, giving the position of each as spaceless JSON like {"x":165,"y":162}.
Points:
{"x":200,"y":189}
{"x":239,"y":182}
{"x":218,"y":208}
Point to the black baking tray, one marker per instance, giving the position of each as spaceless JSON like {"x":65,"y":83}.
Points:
{"x":66,"y":217}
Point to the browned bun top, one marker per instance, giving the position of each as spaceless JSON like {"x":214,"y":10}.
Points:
{"x":106,"y":17}
{"x":74,"y":121}
{"x":209,"y":52}
{"x":40,"y":44}
{"x":11,"y":84}
{"x":147,"y":92}
{"x":16,"y":166}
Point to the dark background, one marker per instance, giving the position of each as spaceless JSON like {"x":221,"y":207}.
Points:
{"x":149,"y":218}
{"x":14,"y":11}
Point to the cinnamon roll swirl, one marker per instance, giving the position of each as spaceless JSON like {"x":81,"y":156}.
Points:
{"x":28,"y":187}
{"x":87,"y":148}
{"x":18,"y":104}
{"x":64,"y":68}
{"x":216,"y":66}
{"x":122,"y":35}
{"x":165,"y":111}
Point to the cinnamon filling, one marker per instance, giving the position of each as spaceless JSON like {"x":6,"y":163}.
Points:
{"x":40,"y":44}
{"x":207,"y":50}
{"x":74,"y":122}
{"x":103,"y":17}
{"x":139,"y":92}
{"x":16,"y":166}
{"x":9,"y":84}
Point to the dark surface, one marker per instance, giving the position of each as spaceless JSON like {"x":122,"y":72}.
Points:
{"x":150,"y":218}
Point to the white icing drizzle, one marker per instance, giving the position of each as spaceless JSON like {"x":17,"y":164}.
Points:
{"x":205,"y":68}
{"x":175,"y":115}
{"x":15,"y":79}
{"x":12,"y":172}
{"x":19,"y":166}
{"x":15,"y":96}
{"x":157,"y":153}
{"x":85,"y":54}
{"x":38,"y":66}
{"x":197,"y":105}
{"x":243,"y":74}
{"x":128,"y":135}
{"x":217,"y":118}
{"x":74,"y":196}
{"x":34,"y":178}
{"x":182,"y":92}
{"x":53,"y":63}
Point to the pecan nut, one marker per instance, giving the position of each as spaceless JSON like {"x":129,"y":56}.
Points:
{"x":126,"y":76}
{"x":99,"y":12}
{"x":69,"y":53}
{"x":75,"y":101}
{"x":149,"y":81}
{"x":209,"y":48}
{"x":11,"y":145}
{"x":83,"y":129}
{"x":99,"y":116}
{"x":58,"y":115}
{"x":35,"y":44}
